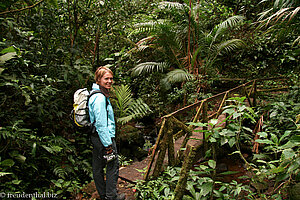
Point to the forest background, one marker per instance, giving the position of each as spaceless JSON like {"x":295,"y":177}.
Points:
{"x":164,"y":55}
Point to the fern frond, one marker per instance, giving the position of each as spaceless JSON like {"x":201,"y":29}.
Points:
{"x":178,"y":75}
{"x":137,"y":109}
{"x":124,"y":96}
{"x":59,"y":171}
{"x":149,"y":67}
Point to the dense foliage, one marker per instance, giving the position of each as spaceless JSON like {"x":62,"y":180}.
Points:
{"x":272,"y":170}
{"x":164,"y":55}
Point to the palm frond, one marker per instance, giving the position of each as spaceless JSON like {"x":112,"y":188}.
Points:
{"x":172,"y":5}
{"x":282,"y":9}
{"x":147,"y":27}
{"x":284,"y":14}
{"x":263,"y":14}
{"x":297,"y":41}
{"x":279,"y":4}
{"x":165,"y":84}
{"x":229,"y":46}
{"x":229,"y":23}
{"x":225,"y":47}
{"x":178,"y":75}
{"x":149,"y":67}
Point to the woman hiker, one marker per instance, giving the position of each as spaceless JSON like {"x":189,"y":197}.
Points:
{"x":103,"y":139}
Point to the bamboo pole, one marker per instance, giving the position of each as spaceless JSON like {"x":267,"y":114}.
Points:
{"x":187,"y":165}
{"x":154,"y":150}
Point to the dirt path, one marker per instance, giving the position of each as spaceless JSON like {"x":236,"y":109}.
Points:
{"x":130,"y":174}
{"x":89,"y":192}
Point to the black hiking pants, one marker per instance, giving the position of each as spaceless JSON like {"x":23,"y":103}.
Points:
{"x":106,"y":187}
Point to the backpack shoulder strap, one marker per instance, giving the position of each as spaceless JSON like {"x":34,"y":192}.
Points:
{"x":98,"y":91}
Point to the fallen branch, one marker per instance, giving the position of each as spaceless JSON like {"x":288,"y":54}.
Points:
{"x":22,"y":9}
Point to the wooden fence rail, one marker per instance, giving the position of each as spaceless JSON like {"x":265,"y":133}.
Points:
{"x":166,"y":137}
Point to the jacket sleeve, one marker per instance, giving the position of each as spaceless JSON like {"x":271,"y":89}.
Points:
{"x":98,"y":107}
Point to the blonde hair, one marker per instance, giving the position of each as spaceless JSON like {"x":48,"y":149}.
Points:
{"x":100,"y":73}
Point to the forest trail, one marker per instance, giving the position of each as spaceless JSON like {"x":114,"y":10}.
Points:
{"x":135,"y":171}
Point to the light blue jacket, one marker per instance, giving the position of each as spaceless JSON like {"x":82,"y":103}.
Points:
{"x":105,"y":125}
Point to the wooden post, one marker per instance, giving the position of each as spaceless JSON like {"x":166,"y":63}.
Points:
{"x":245,"y":93}
{"x":222,"y":104}
{"x":254,"y":93}
{"x":188,"y":131}
{"x":171,"y":151}
{"x":205,"y":120}
{"x":196,"y":118}
{"x":160,"y":134}
{"x":187,"y":165}
{"x":162,"y":153}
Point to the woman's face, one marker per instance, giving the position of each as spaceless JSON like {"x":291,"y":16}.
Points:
{"x":106,"y":80}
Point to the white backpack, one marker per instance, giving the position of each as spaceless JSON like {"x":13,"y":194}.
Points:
{"x":80,"y":113}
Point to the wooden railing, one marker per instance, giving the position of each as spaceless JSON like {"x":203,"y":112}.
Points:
{"x":188,"y":154}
